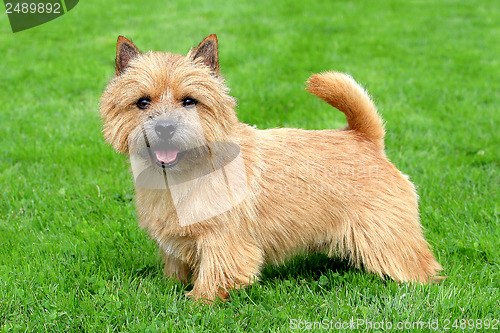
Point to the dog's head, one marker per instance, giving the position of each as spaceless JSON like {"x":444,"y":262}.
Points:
{"x":167,"y":107}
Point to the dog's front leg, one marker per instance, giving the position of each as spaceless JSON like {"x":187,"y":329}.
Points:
{"x":225,"y":262}
{"x":175,"y":268}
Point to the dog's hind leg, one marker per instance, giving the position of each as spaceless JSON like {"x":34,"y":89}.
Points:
{"x":388,"y":247}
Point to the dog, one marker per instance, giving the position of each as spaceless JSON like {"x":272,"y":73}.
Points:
{"x":222,"y":198}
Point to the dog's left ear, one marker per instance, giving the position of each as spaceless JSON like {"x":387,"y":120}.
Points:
{"x":125,"y":51}
{"x":209,"y":51}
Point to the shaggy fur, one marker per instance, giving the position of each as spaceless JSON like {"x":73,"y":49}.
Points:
{"x":327,"y":190}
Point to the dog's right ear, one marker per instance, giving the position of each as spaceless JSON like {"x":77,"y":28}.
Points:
{"x":209,"y":51}
{"x":125,"y":51}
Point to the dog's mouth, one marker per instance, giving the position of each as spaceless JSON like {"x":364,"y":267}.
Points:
{"x":166,"y":157}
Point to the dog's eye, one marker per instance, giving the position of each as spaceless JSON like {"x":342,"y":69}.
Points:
{"x":188,"y":101}
{"x":143,"y":103}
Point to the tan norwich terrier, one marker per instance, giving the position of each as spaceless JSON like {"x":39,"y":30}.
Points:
{"x":222,"y":198}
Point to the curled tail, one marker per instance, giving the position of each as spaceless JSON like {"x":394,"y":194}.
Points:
{"x":342,"y":92}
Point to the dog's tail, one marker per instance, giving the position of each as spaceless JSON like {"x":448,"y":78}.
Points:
{"x":342,"y":92}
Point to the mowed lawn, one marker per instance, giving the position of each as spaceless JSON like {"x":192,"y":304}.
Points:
{"x":71,"y":255}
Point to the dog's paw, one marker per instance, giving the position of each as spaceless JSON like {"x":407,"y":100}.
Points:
{"x":208,"y":298}
{"x":197,"y":297}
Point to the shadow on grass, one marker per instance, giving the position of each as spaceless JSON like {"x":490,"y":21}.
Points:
{"x":309,"y":267}
{"x":148,"y":271}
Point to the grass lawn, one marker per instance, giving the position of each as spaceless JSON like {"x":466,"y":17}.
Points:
{"x":71,"y":255}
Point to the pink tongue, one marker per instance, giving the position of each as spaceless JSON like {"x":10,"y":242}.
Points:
{"x":166,"y":156}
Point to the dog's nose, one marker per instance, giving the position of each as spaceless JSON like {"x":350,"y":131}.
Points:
{"x":165,"y":129}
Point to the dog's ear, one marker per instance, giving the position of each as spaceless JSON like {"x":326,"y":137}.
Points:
{"x":125,"y":51}
{"x":209,"y":51}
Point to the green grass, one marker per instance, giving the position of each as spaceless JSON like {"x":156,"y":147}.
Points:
{"x":71,"y":255}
